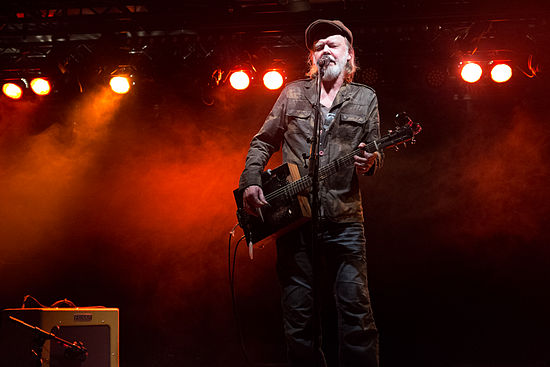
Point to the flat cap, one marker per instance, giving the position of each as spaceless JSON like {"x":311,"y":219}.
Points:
{"x":322,"y":28}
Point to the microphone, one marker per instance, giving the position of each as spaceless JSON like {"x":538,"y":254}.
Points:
{"x":323,"y":61}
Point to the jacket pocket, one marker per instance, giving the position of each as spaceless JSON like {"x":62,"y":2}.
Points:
{"x":299,"y":122}
{"x":348,"y":118}
{"x":351,"y":128}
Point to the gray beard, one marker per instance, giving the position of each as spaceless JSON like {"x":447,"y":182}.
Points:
{"x":333,"y":71}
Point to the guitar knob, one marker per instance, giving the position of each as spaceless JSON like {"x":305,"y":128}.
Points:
{"x":413,"y":141}
{"x":396,"y":148}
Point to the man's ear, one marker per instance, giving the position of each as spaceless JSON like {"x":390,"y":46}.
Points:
{"x":351,"y":53}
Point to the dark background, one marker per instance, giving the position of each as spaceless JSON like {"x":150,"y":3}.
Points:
{"x":126,"y":201}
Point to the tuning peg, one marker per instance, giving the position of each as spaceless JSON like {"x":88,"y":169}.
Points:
{"x":390,"y":132}
{"x":402,"y":119}
{"x":396,"y":148}
{"x":413,"y":141}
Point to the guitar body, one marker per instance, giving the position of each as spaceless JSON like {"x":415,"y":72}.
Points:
{"x":285,"y":212}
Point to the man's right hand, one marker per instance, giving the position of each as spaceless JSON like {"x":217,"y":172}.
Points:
{"x":253,"y":199}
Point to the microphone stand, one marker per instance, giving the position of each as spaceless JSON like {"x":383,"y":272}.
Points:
{"x":315,"y":256}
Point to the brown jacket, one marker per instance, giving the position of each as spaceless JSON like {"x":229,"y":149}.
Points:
{"x":290,"y":123}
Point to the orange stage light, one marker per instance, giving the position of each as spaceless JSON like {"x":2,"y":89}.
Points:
{"x":239,"y":80}
{"x":40,"y":86}
{"x":471,"y":72}
{"x":12,"y":91}
{"x":273,"y":80}
{"x":501,"y":73}
{"x":120,"y":84}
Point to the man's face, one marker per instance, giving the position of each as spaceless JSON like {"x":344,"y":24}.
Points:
{"x":336,"y":49}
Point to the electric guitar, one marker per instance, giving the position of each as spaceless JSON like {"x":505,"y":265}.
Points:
{"x":284,"y":189}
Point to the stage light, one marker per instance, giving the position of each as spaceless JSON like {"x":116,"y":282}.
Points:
{"x":122,"y":79}
{"x":120,"y":84}
{"x":12,"y":90}
{"x":501,"y":73}
{"x":239,"y":80}
{"x":40,"y":86}
{"x":471,"y":72}
{"x":273,"y":79}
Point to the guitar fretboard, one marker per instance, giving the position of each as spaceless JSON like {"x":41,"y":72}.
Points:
{"x":304,"y":183}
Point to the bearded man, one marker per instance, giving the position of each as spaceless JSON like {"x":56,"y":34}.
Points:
{"x":349,"y":119}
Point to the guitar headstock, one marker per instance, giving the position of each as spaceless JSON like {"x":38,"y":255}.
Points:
{"x":405,"y":131}
{"x":403,"y":120}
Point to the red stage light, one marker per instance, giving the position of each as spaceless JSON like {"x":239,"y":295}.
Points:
{"x":273,"y":79}
{"x":501,"y":73}
{"x":239,"y":80}
{"x":120,"y":84}
{"x":471,"y":72}
{"x":40,"y":86}
{"x":12,"y":90}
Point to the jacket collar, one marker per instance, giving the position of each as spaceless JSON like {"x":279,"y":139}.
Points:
{"x":343,"y":94}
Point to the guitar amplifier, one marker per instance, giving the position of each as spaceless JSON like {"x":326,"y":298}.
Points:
{"x":96,"y":328}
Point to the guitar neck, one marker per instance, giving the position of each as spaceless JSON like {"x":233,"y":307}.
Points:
{"x":306,"y":182}
{"x":345,"y":161}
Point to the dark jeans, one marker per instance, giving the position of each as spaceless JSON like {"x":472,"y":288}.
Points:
{"x":342,"y":272}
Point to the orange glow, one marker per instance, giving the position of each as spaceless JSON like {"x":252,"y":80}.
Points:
{"x":239,"y":80}
{"x":471,"y":72}
{"x":12,"y":91}
{"x":273,"y":80}
{"x":120,"y":84}
{"x":40,"y":86}
{"x":501,"y":73}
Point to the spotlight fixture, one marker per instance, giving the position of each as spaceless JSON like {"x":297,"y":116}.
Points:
{"x":120,"y":84}
{"x":41,"y":86}
{"x":273,"y":79}
{"x":241,"y":76}
{"x":501,"y":72}
{"x":122,"y":79}
{"x":12,"y":90}
{"x":239,"y":80}
{"x":471,"y":72}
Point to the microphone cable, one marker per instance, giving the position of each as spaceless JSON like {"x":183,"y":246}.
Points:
{"x":231,"y":275}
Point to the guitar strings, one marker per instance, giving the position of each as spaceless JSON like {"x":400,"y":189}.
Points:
{"x":305,"y":182}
